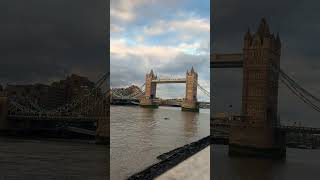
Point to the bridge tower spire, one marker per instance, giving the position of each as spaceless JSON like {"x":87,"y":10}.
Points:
{"x":258,"y":130}
{"x":190,"y":102}
{"x":150,"y":92}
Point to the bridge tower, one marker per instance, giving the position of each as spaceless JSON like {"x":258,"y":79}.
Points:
{"x":190,"y":103}
{"x":256,"y":133}
{"x":149,"y":100}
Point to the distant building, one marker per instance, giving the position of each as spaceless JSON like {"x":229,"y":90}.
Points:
{"x":53,"y":96}
{"x":74,"y":86}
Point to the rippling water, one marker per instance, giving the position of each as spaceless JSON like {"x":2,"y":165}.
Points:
{"x":36,"y":159}
{"x":139,"y":135}
{"x":299,"y":164}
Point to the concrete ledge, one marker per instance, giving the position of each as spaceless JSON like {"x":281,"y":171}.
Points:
{"x":171,"y":159}
{"x":195,"y":167}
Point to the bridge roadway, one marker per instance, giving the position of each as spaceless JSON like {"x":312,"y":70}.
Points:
{"x":226,"y":60}
{"x":81,"y":119}
{"x":178,"y":80}
{"x":300,"y":129}
{"x":225,"y":126}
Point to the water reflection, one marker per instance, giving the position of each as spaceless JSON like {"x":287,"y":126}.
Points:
{"x":299,"y":164}
{"x":190,"y":123}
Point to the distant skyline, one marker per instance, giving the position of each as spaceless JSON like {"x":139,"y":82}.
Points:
{"x":167,"y":36}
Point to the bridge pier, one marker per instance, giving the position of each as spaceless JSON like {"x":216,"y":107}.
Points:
{"x":257,"y":141}
{"x":4,"y":122}
{"x":190,"y":106}
{"x":103,"y":132}
{"x":148,"y":103}
{"x":103,"y":123}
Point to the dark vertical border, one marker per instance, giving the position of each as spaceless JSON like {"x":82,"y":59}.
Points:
{"x":211,"y":82}
{"x":108,"y":82}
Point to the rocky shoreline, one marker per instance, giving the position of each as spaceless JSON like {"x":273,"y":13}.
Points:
{"x":171,"y":159}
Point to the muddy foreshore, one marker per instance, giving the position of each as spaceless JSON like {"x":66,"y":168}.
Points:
{"x":171,"y":159}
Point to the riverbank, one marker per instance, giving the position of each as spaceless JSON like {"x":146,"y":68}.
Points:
{"x":171,"y":159}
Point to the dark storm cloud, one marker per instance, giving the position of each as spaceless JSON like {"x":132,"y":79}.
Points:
{"x":46,"y":40}
{"x":298,"y":25}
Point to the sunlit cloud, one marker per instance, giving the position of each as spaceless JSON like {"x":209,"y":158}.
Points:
{"x":170,"y":43}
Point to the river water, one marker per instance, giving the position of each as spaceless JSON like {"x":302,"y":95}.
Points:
{"x":139,"y":135}
{"x":299,"y":164}
{"x":52,"y":159}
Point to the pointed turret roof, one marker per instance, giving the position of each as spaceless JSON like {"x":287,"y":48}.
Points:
{"x":248,"y":34}
{"x":263,"y":29}
{"x":192,"y":70}
{"x":278,"y":41}
{"x":151,"y":72}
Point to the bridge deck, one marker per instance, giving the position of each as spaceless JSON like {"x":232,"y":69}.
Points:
{"x":182,"y":80}
{"x":220,"y":126}
{"x":54,"y":118}
{"x":226,"y":60}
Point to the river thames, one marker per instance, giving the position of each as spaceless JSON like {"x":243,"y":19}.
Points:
{"x":52,"y":159}
{"x":299,"y":164}
{"x":139,"y":135}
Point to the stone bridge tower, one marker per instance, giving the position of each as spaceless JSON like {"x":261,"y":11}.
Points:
{"x":256,"y":132}
{"x":150,"y":92}
{"x":190,"y":102}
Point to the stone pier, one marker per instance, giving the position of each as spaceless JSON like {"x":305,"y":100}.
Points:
{"x":4,"y":122}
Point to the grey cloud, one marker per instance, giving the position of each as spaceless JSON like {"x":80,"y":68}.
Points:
{"x":44,"y":40}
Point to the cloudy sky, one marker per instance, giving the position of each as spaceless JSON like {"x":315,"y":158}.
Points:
{"x":42,"y":41}
{"x":298,"y":24}
{"x":168,"y":36}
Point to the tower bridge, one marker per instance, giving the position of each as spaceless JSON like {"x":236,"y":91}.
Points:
{"x":190,"y":102}
{"x":146,"y":95}
{"x":258,"y":130}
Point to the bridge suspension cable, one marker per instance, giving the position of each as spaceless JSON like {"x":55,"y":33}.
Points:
{"x":204,"y":90}
{"x":297,"y":90}
{"x":296,"y":85}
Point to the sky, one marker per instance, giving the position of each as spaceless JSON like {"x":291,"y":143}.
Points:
{"x":168,"y":36}
{"x":43,"y":41}
{"x":298,"y":25}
